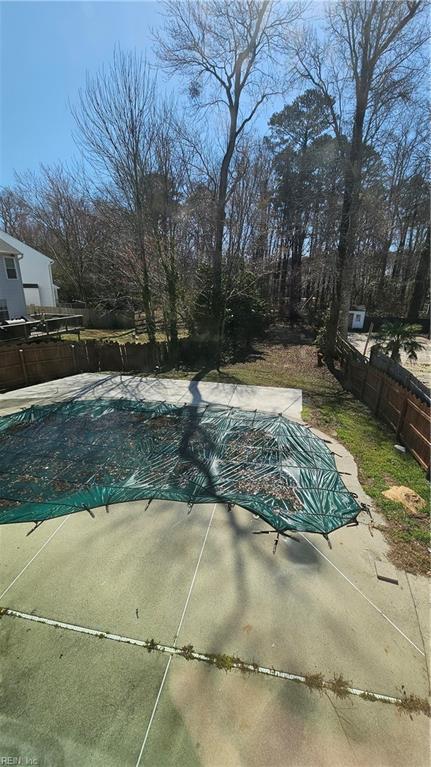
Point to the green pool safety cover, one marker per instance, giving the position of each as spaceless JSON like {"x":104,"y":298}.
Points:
{"x":76,"y":455}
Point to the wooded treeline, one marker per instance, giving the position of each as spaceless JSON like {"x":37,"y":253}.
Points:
{"x":182,"y":210}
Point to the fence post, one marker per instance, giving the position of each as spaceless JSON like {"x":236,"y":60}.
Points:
{"x":72,"y":346}
{"x":23,"y":365}
{"x":402,"y":413}
{"x":364,"y":380}
{"x":121,"y":358}
{"x":379,"y":393}
{"x":347,"y":371}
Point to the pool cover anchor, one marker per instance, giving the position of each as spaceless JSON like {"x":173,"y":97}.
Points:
{"x":367,"y":510}
{"x":276,"y":537}
{"x":90,"y":511}
{"x":36,"y":525}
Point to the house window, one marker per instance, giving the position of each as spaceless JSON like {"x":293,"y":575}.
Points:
{"x":358,"y":317}
{"x":4,"y":314}
{"x":11,"y":268}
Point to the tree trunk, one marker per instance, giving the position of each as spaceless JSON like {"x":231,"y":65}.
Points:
{"x":420,"y":282}
{"x":217,"y":288}
{"x":172,"y":280}
{"x":339,"y":310}
{"x":396,"y":271}
{"x":146,"y":293}
{"x":296,"y":274}
{"x":382,"y":271}
{"x":283,"y":283}
{"x":146,"y":303}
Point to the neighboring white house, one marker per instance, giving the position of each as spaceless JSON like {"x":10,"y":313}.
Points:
{"x":12,"y":300}
{"x":39,"y":288}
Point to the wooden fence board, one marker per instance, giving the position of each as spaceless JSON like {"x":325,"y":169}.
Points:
{"x":397,"y":404}
{"x":140,"y":322}
{"x":83,"y":357}
{"x":43,"y":364}
{"x":11,"y":372}
{"x":109,"y":356}
{"x":415,"y":431}
{"x":372,"y":388}
{"x":391,"y":403}
{"x":138,"y":357}
{"x":34,"y":363}
{"x":357,"y":377}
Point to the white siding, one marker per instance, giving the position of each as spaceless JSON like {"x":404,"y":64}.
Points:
{"x":35,"y":269}
{"x":11,"y":290}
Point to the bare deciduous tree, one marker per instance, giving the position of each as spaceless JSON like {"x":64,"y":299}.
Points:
{"x":376,"y":43}
{"x":14,"y":212}
{"x":115,"y":118}
{"x":226,"y":50}
{"x":63,"y":222}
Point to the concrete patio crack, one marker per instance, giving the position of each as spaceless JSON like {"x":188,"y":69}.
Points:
{"x":338,"y":685}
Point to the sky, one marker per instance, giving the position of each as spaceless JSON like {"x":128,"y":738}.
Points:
{"x":46,"y":48}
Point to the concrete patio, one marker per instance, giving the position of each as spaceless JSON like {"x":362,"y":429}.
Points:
{"x":206,"y":578}
{"x":268,"y":399}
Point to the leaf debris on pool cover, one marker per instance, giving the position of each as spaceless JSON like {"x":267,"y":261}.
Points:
{"x":62,"y":458}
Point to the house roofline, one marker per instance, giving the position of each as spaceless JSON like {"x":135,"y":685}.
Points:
{"x":20,"y":243}
{"x":8,"y":250}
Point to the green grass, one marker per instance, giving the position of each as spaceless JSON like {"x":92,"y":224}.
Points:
{"x":380,"y":466}
{"x":335,"y":411}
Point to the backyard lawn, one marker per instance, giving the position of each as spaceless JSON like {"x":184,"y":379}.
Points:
{"x":335,"y":411}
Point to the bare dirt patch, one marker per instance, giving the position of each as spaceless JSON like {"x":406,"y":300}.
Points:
{"x":412,"y":502}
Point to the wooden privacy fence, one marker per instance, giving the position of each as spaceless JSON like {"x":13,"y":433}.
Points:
{"x":27,"y":364}
{"x":141,"y":325}
{"x":92,"y":317}
{"x":404,"y":406}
